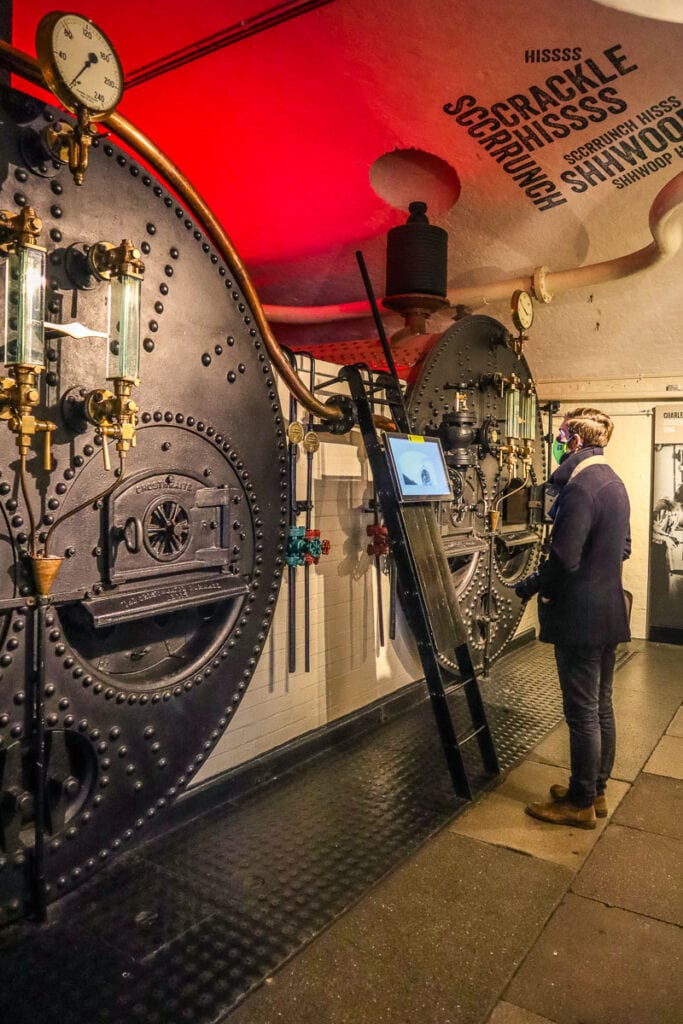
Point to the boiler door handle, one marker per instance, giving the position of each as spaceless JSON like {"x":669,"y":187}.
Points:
{"x":132,"y":535}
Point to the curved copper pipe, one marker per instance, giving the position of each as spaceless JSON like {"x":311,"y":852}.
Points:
{"x":88,"y":501}
{"x":27,"y":502}
{"x":28,"y":68}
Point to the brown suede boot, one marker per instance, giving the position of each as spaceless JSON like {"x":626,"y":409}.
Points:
{"x":559,"y":792}
{"x":560,"y":812}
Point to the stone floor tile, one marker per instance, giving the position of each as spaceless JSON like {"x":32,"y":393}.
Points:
{"x":639,"y":727}
{"x":436,"y":942}
{"x":676,"y":727}
{"x":554,"y":748}
{"x":667,"y":758}
{"x":653,"y":668}
{"x":636,"y":871}
{"x":654,"y":804}
{"x":499,"y":817}
{"x":506,"y":1013}
{"x":601,"y":965}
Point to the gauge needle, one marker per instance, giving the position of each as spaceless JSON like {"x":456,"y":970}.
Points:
{"x":74,"y":330}
{"x":92,"y":59}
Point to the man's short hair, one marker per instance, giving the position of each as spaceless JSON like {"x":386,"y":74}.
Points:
{"x":594,"y":427}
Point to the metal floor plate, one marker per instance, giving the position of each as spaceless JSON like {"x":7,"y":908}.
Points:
{"x":182,"y":929}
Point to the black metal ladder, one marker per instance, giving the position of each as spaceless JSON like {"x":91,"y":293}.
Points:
{"x":428,"y":595}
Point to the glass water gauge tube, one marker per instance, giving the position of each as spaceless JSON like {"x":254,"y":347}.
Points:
{"x":528,"y":414}
{"x":123,"y":328}
{"x":123,"y":269}
{"x":25,"y":307}
{"x":512,"y":410}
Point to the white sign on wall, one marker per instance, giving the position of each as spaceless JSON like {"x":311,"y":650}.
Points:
{"x":666,"y":545}
{"x":669,"y":424}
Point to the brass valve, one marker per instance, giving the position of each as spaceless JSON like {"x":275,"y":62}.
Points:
{"x":20,"y":228}
{"x":70,"y":144}
{"x":106,"y":259}
{"x":18,"y":399}
{"x":507,"y":455}
{"x":114,"y":416}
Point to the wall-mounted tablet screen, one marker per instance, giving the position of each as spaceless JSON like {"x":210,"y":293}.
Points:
{"x":419,"y":467}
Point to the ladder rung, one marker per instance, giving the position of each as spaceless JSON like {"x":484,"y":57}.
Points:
{"x":454,"y":687}
{"x":471,"y":734}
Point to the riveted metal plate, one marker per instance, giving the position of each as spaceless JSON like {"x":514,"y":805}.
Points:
{"x":167,"y":587}
{"x":475,"y":351}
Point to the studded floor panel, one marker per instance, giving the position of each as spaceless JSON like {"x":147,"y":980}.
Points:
{"x":182,"y":929}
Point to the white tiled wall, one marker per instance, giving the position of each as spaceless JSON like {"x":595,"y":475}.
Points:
{"x":348,"y":667}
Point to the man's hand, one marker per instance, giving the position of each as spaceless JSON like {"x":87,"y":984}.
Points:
{"x":527,"y":587}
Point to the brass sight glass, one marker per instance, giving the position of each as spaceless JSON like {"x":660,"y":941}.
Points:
{"x":113,"y":414}
{"x":24,"y":320}
{"x":24,"y":357}
{"x":510,"y":392}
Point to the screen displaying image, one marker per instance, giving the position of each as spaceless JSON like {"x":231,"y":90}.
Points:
{"x":419,"y":467}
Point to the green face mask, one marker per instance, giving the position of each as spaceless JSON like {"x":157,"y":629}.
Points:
{"x":559,"y":449}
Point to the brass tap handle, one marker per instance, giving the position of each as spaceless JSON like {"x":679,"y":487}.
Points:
{"x":105,"y":452}
{"x":47,"y":450}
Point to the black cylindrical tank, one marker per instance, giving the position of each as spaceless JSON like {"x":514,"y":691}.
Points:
{"x":417,"y":255}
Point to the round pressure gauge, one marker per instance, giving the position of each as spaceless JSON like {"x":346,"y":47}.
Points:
{"x":79,"y":64}
{"x":522,"y":310}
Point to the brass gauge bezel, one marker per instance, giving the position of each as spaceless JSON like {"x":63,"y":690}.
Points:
{"x":522,"y":310}
{"x":68,"y":92}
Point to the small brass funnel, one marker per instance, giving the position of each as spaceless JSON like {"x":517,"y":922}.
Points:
{"x":45,"y":569}
{"x":494,"y":516}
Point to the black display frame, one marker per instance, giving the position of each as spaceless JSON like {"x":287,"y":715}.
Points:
{"x":418,"y":491}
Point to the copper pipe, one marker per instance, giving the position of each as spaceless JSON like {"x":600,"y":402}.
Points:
{"x":29,"y":510}
{"x":21,"y":64}
{"x":89,"y":501}
{"x":499,"y":498}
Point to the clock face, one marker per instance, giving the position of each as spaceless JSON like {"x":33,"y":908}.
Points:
{"x":79,"y":64}
{"x":522,"y":310}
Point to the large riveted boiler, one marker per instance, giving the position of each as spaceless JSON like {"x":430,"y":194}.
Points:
{"x":472,"y":389}
{"x":168,"y":583}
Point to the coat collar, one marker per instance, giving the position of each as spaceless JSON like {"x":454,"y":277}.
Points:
{"x":569,"y":464}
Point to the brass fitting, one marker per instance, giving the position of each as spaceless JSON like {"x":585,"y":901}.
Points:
{"x":70,"y":144}
{"x":106,"y":259}
{"x":20,"y":228}
{"x":114,"y":415}
{"x":18,"y":398}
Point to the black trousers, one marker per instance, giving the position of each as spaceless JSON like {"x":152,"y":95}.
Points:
{"x":586,"y":675}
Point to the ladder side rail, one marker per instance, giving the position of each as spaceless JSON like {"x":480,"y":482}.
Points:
{"x":415,"y":606}
{"x":454,"y":638}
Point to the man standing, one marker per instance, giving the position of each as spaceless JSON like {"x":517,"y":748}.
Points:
{"x":582,"y":610}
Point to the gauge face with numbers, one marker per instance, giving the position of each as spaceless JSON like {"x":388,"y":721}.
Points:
{"x":522,"y":310}
{"x":79,"y":63}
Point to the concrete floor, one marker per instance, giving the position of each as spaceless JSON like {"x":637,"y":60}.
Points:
{"x":502,"y":919}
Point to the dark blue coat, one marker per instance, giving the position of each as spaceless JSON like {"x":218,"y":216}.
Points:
{"x":589,"y":541}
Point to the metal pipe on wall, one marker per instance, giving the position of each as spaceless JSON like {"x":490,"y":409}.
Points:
{"x":667,"y":232}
